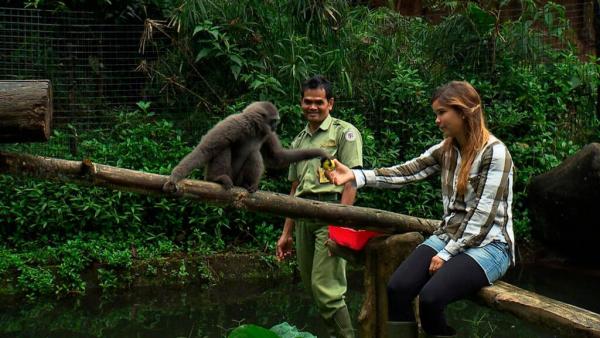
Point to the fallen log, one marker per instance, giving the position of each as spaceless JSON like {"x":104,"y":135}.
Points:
{"x":89,"y":173}
{"x":25,"y":111}
{"x":567,"y":319}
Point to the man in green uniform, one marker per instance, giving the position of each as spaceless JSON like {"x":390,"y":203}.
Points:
{"x":322,"y":274}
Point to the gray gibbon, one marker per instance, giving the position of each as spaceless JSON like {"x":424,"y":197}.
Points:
{"x":237,"y":149}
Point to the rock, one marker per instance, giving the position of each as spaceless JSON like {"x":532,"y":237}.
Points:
{"x":565,"y":205}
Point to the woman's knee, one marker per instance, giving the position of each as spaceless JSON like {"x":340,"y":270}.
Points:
{"x":430,"y":297}
{"x":399,"y":287}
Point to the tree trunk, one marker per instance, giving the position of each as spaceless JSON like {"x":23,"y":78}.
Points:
{"x":25,"y":111}
{"x":89,"y":173}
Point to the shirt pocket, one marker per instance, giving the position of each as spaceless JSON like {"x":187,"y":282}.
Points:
{"x":330,"y":146}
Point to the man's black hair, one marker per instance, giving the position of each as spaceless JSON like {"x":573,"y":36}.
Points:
{"x":316,"y":82}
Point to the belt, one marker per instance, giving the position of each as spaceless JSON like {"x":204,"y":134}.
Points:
{"x":329,"y":196}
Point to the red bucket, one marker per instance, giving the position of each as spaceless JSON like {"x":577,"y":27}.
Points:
{"x":351,"y":238}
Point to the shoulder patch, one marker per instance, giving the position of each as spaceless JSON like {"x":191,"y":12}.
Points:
{"x":350,"y":136}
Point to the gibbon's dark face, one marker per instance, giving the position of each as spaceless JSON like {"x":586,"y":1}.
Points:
{"x":271,"y":115}
{"x":273,"y":123}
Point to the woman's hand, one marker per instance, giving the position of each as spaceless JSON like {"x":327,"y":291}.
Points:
{"x":341,"y":175}
{"x":436,"y":264}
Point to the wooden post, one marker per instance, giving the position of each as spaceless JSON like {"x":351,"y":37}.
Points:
{"x":382,"y":256}
{"x":25,"y":111}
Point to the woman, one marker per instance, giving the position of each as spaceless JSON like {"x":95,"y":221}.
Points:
{"x":475,"y":242}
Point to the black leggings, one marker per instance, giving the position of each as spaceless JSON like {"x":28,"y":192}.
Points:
{"x":459,"y":277}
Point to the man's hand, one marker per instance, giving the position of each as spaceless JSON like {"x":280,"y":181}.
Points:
{"x":285,"y":244}
{"x":436,"y":264}
{"x":341,"y":175}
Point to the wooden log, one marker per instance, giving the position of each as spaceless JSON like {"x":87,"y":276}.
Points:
{"x":90,"y":173}
{"x":25,"y":111}
{"x":531,"y":307}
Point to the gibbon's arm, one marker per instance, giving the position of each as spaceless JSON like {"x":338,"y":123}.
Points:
{"x":275,"y":156}
{"x":191,"y":161}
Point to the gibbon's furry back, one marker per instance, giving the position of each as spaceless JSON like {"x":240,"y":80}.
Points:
{"x":237,"y":148}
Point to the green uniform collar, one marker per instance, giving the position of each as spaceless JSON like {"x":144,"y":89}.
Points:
{"x":324,"y":125}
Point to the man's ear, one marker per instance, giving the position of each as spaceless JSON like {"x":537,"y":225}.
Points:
{"x":331,"y":101}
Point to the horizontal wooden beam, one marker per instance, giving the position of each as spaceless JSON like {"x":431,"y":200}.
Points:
{"x":89,"y":173}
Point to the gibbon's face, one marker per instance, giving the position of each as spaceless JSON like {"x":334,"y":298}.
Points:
{"x":315,"y":106}
{"x":450,"y":122}
{"x":273,"y":122}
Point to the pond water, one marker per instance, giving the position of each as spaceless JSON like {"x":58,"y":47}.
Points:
{"x":200,"y":312}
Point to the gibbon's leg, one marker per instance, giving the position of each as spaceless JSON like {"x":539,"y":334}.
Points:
{"x":219,"y":169}
{"x":252,"y":169}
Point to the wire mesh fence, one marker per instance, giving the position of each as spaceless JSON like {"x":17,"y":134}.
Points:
{"x":92,"y":65}
{"x":95,"y":67}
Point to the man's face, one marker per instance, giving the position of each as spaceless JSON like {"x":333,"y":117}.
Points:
{"x":315,"y":105}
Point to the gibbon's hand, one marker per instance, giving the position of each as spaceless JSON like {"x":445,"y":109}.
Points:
{"x":170,"y":187}
{"x":341,"y":174}
{"x":284,"y":247}
{"x":436,"y":264}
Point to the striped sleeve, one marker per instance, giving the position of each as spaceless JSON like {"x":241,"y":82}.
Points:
{"x":496,"y":167}
{"x":394,"y":177}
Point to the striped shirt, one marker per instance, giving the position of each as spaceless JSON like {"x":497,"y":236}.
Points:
{"x":484,"y":213}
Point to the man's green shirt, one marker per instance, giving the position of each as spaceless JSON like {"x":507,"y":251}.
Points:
{"x":340,"y":139}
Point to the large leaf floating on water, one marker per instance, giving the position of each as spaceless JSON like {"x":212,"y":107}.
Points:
{"x":285,"y":330}
{"x":252,"y":331}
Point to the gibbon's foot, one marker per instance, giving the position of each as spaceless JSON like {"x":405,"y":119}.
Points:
{"x":225,"y":181}
{"x":251,"y":188}
{"x":170,"y":187}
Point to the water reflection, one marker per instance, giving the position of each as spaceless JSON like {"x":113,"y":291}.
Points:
{"x":198,"y":312}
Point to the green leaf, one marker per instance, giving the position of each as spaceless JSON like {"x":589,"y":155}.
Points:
{"x":235,"y":70}
{"x":236,"y":59}
{"x":252,"y":331}
{"x":202,"y":54}
{"x":483,"y":21}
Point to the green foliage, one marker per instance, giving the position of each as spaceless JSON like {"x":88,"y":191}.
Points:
{"x":539,"y":99}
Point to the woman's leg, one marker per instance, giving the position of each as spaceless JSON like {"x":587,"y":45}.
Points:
{"x":459,"y":277}
{"x":406,"y":282}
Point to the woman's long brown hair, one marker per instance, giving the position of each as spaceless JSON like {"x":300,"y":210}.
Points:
{"x":464,"y":99}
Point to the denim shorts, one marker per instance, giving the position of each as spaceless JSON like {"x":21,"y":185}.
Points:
{"x":492,"y":258}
